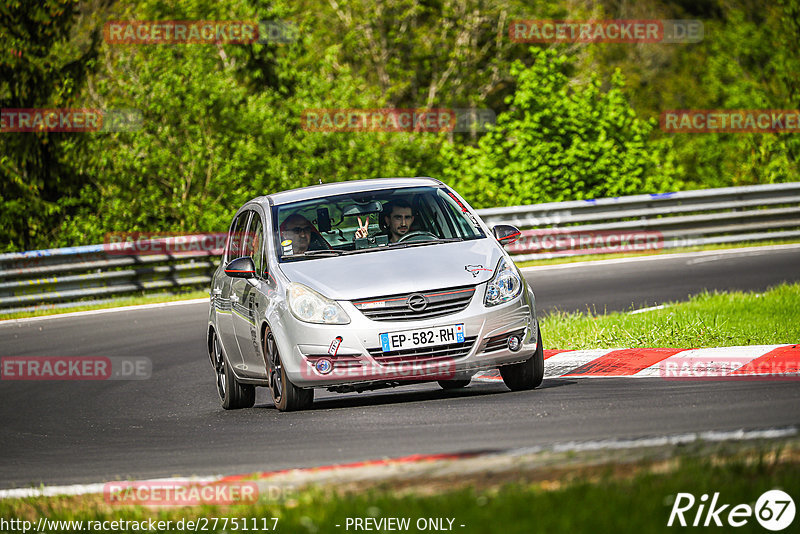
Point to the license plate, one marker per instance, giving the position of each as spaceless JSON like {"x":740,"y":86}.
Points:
{"x":423,"y":337}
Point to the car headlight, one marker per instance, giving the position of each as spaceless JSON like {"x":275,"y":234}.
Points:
{"x":311,"y":307}
{"x":505,"y":284}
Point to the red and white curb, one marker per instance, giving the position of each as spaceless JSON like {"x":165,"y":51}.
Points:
{"x":761,"y":361}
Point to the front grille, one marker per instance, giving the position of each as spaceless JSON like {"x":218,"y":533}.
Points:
{"x":501,"y":342}
{"x":395,"y":307}
{"x":423,"y":354}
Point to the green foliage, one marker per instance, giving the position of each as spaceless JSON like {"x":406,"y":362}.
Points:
{"x":707,"y":320}
{"x":747,"y":67}
{"x":545,"y":492}
{"x":46,"y":55}
{"x":558,"y":142}
{"x":222,"y":122}
{"x":749,"y":58}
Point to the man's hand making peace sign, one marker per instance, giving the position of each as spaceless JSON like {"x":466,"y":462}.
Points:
{"x":362,"y":229}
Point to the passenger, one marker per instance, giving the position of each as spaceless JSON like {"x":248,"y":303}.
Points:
{"x":303,"y":234}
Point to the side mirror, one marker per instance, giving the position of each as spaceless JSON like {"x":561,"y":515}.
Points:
{"x":241,"y":268}
{"x":506,"y":234}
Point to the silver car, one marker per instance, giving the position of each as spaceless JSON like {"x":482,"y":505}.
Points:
{"x":360,"y":285}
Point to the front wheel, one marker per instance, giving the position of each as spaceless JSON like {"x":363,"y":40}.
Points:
{"x":286,"y":396}
{"x":527,"y":374}
{"x":233,"y":394}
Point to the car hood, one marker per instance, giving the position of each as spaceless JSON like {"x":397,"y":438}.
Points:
{"x":389,"y":272}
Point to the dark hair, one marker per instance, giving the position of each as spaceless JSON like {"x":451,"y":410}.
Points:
{"x":389,"y":207}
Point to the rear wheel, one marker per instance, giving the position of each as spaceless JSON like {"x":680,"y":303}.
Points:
{"x":454,"y":384}
{"x":527,"y":374}
{"x":286,"y":396}
{"x":232,"y":394}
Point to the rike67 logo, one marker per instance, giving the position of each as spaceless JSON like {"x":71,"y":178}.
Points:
{"x":774,"y":510}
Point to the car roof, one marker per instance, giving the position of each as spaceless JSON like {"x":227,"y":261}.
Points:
{"x":339,"y":188}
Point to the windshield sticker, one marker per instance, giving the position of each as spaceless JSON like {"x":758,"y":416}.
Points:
{"x":460,"y":204}
{"x":464,"y":209}
{"x":287,"y":247}
{"x":475,"y":269}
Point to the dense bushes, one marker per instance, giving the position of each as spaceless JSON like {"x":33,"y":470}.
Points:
{"x":559,"y":142}
{"x":222,"y":123}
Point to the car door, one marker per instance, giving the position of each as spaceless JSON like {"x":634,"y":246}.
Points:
{"x":246,"y":301}
{"x":225,"y":292}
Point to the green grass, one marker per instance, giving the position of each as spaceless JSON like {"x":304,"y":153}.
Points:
{"x":122,"y":301}
{"x":706,"y":320}
{"x":631,"y":497}
{"x":662,"y":252}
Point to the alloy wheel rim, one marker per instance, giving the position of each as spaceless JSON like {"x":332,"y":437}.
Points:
{"x":275,"y":371}
{"x":219,"y":364}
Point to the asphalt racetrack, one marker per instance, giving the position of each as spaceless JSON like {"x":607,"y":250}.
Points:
{"x":56,"y":432}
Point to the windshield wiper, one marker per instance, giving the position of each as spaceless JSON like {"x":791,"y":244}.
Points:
{"x":310,"y":253}
{"x":324,"y":252}
{"x":431,"y":242}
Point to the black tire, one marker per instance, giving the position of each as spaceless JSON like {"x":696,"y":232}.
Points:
{"x":286,"y":396}
{"x":454,"y":384}
{"x":233,"y":394}
{"x":528,"y":374}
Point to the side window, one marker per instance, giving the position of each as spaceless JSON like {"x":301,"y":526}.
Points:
{"x":254,"y":242}
{"x":234,"y":248}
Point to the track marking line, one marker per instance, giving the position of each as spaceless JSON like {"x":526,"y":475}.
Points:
{"x":8,"y":322}
{"x":657,"y":257}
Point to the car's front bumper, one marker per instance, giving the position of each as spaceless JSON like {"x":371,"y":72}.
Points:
{"x":360,"y":360}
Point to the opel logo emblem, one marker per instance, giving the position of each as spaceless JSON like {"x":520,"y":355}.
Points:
{"x":417,"y":302}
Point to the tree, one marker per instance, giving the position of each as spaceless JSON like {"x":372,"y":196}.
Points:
{"x":559,"y":142}
{"x":48,"y":54}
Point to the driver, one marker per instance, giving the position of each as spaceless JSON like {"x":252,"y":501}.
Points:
{"x":397,"y":219}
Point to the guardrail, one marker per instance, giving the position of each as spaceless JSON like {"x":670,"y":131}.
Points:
{"x":656,"y":221}
{"x":58,"y":277}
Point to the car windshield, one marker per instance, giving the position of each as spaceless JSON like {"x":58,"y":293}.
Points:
{"x":371,"y":221}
